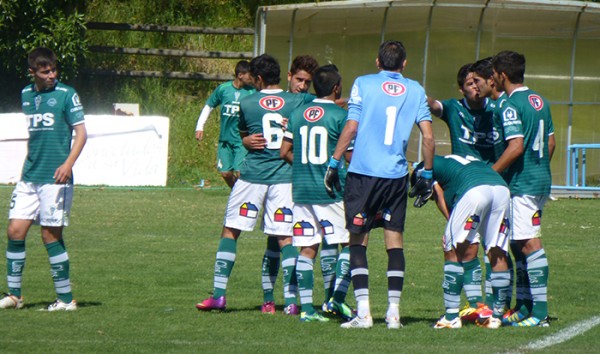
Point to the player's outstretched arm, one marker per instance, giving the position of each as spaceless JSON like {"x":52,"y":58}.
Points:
{"x":435,"y":107}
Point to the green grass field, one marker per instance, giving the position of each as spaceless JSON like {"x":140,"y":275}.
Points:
{"x":141,"y":258}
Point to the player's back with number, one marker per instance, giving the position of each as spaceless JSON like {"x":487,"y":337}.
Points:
{"x":263,"y":113}
{"x":400,"y":102}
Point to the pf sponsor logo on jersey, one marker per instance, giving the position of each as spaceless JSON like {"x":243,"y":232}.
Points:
{"x":249,"y":210}
{"x":536,"y":102}
{"x":313,"y":114}
{"x":283,"y":215}
{"x":536,"y":219}
{"x":393,"y":88}
{"x":326,"y":227}
{"x":472,"y":222}
{"x":271,"y":103}
{"x":303,"y":228}
{"x":359,"y":219}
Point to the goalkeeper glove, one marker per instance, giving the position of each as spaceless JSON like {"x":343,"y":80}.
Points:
{"x":332,"y":178}
{"x":422,"y":189}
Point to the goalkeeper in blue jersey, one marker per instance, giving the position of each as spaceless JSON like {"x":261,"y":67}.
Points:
{"x":313,"y":131}
{"x":382,"y":110}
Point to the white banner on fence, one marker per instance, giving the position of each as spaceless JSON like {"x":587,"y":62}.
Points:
{"x":120,"y":150}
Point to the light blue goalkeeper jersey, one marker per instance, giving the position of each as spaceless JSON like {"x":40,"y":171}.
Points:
{"x":386,"y":105}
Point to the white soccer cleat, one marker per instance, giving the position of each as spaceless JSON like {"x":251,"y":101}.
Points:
{"x":11,"y":302}
{"x":62,"y":306}
{"x":357,"y":322}
{"x":444,"y":323}
{"x":490,"y":322}
{"x":393,"y":322}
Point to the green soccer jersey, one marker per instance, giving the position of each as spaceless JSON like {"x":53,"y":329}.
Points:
{"x":314,"y":129}
{"x":472,"y":131}
{"x":456,"y":175}
{"x":263,"y":113}
{"x":527,"y":114}
{"x":228,"y":98}
{"x":51,"y":115}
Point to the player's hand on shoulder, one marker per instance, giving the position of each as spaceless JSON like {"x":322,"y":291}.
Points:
{"x":254,"y":142}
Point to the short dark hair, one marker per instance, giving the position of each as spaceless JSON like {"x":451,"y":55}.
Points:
{"x":304,"y":62}
{"x":267,"y":68}
{"x":242,"y":67}
{"x":483,"y":67}
{"x":325,"y":78}
{"x":463,"y":72}
{"x":512,"y":64}
{"x":40,"y":57}
{"x":391,"y":55}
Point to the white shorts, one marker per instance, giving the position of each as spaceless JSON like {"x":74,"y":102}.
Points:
{"x":480,"y":211}
{"x":247,"y":200}
{"x":313,"y":221}
{"x":526,"y":217}
{"x":45,"y":204}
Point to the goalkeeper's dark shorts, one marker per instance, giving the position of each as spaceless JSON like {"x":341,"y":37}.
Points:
{"x":372,"y":202}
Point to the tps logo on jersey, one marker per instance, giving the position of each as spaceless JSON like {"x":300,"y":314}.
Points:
{"x":536,"y":219}
{"x":536,"y":102}
{"x":283,"y":215}
{"x":393,"y":88}
{"x":359,"y":219}
{"x":271,"y":103}
{"x":313,"y":114}
{"x":326,"y":227}
{"x":303,"y":228}
{"x":249,"y":210}
{"x":472,"y":222}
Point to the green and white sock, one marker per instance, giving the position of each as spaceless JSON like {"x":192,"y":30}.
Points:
{"x":270,"y":268}
{"x":489,"y":291}
{"x":537,"y":270}
{"x":452,"y":286}
{"x":304,"y":274}
{"x":342,"y":275}
{"x":59,"y":265}
{"x":329,"y":255}
{"x":500,"y":285}
{"x":15,"y":263}
{"x":223,"y":265}
{"x":472,"y":281}
{"x":289,"y":254}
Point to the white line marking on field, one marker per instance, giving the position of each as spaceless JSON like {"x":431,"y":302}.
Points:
{"x":560,"y":336}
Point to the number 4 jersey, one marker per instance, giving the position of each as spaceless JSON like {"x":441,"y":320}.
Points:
{"x":263,"y":113}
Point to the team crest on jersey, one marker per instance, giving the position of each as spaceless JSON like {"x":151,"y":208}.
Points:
{"x":536,"y":102}
{"x":303,"y":228}
{"x":359,"y":219}
{"x":271,"y":103}
{"x":326,"y":227}
{"x":472,"y":222}
{"x":536,"y":219}
{"x":393,"y":88}
{"x":249,"y":210}
{"x":52,"y":102}
{"x":313,"y":114}
{"x":283,"y":215}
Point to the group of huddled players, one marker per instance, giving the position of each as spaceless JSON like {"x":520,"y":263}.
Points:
{"x":307,"y":166}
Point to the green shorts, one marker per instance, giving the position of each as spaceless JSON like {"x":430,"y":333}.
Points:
{"x":230,"y":156}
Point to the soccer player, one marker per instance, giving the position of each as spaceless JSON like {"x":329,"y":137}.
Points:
{"x":301,"y":73}
{"x":45,"y":192}
{"x":227,"y":96}
{"x":383,"y":107}
{"x":525,"y":165}
{"x":472,"y":134}
{"x":313,"y":131}
{"x":475,"y":200}
{"x":264,"y":183}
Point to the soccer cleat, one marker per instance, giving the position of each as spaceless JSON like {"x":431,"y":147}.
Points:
{"x":9,"y":301}
{"x":393,"y":322}
{"x":62,"y":306}
{"x":212,"y":304}
{"x":512,"y":316}
{"x":325,"y":307}
{"x":490,"y":322}
{"x":357,"y":322}
{"x":341,"y":309}
{"x":291,"y":309}
{"x":268,"y":307}
{"x":313,"y":317}
{"x":444,"y":323}
{"x":532,"y":322}
{"x":471,"y":314}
